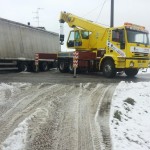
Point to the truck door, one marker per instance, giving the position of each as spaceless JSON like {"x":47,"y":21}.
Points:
{"x":85,"y":39}
{"x":78,"y":39}
{"x":74,"y":39}
{"x":118,"y":41}
{"x":70,"y":41}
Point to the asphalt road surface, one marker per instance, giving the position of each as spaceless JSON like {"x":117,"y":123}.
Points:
{"x":54,"y":76}
{"x":62,"y":112}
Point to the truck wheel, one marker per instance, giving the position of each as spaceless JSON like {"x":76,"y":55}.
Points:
{"x":71,"y":69}
{"x":34,"y":68}
{"x":44,"y":66}
{"x":23,"y":66}
{"x":62,"y":67}
{"x":109,"y":70}
{"x":131,"y":72}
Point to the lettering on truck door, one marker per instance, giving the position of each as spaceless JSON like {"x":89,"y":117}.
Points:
{"x":117,"y":43}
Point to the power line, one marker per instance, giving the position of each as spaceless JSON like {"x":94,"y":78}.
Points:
{"x":92,"y":10}
{"x":101,"y":10}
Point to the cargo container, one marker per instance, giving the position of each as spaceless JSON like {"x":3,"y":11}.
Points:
{"x":24,"y":46}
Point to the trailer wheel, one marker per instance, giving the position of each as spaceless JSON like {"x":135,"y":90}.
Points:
{"x":22,"y":66}
{"x":109,"y":70}
{"x":131,"y":72}
{"x":62,"y":67}
{"x":44,"y":66}
{"x":71,"y":69}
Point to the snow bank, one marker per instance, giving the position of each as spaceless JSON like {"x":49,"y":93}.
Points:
{"x":8,"y":90}
{"x":130,"y":115}
{"x":144,"y":71}
{"x":18,"y":138}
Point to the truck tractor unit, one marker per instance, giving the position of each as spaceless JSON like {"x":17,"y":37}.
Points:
{"x":101,"y":49}
{"x":26,"y":47}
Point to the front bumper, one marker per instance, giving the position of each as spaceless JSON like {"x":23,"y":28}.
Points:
{"x":132,"y":63}
{"x":139,"y":63}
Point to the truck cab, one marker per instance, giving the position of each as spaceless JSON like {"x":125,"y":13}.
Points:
{"x":78,"y":39}
{"x":129,"y":42}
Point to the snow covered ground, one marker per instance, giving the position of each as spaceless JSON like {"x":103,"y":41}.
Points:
{"x":130,"y":115}
{"x":129,"y":119}
{"x":18,"y":138}
{"x":143,"y":71}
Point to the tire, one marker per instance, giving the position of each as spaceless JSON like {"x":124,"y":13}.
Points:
{"x":44,"y":66}
{"x":55,"y":64}
{"x":109,"y":70}
{"x":131,"y":72}
{"x":62,"y":67}
{"x":71,"y":69}
{"x":22,"y":67}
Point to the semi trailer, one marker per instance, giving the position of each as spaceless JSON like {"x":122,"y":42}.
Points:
{"x":26,"y":47}
{"x":101,"y":49}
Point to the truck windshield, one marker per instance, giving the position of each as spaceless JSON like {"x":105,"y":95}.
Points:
{"x":135,"y":36}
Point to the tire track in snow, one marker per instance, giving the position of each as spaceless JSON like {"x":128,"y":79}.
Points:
{"x":26,"y":104}
{"x":67,"y":120}
{"x":59,"y":123}
{"x":103,"y":115}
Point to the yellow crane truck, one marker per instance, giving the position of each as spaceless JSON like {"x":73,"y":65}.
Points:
{"x":108,"y":50}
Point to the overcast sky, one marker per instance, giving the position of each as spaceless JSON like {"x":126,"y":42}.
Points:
{"x":135,"y":11}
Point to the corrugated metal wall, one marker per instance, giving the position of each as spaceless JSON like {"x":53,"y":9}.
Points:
{"x":22,"y":41}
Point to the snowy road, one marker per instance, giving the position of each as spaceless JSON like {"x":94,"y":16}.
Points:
{"x":49,"y":111}
{"x":54,"y":116}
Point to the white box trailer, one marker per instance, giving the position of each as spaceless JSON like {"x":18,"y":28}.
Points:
{"x":19,"y":43}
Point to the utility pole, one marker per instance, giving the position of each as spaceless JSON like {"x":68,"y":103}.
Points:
{"x":112,"y":14}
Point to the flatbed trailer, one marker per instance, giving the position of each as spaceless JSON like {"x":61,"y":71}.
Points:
{"x":85,"y":61}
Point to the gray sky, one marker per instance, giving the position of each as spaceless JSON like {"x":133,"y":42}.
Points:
{"x":134,"y":11}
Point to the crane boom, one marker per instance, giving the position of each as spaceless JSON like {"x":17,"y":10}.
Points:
{"x":95,"y":32}
{"x":75,"y":21}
